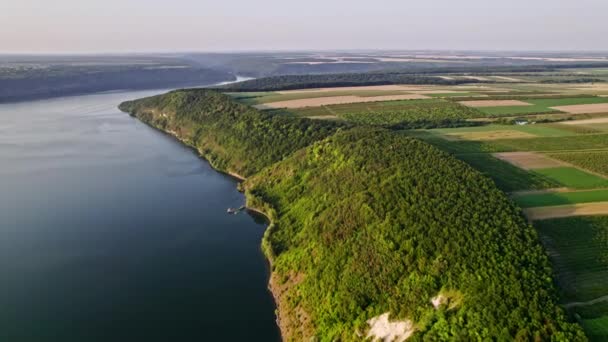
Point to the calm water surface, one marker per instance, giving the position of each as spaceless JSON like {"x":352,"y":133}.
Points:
{"x":112,"y":231}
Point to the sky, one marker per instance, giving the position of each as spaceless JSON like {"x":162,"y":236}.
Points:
{"x":120,"y":26}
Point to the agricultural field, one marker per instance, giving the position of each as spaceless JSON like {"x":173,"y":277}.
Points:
{"x":541,"y":137}
{"x":553,"y":105}
{"x":545,"y":144}
{"x":306,"y":98}
{"x":507,"y":177}
{"x":548,"y":199}
{"x":475,"y":122}
{"x":574,"y":178}
{"x":394,"y":112}
{"x":553,"y":144}
{"x":480,"y":132}
{"x":578,"y":247}
{"x":596,"y":161}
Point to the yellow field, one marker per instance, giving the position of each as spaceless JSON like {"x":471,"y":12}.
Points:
{"x":494,"y":103}
{"x":583,"y":209}
{"x":528,"y":160}
{"x":584,"y":109}
{"x":333,"y":100}
{"x":491,"y":135}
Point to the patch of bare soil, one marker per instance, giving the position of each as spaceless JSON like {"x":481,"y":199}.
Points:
{"x":582,"y":209}
{"x":324,"y":117}
{"x":476,"y":78}
{"x":393,"y":87}
{"x":510,"y":79}
{"x":585,"y":122}
{"x":382,"y":329}
{"x":528,"y":160}
{"x":333,"y":100}
{"x":494,"y":103}
{"x":492,"y":135}
{"x":584,"y":109}
{"x":295,"y":323}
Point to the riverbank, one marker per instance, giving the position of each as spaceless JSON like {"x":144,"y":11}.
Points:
{"x":272,"y":282}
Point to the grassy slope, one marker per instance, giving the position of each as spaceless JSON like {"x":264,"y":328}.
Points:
{"x":232,"y":136}
{"x":370,"y":221}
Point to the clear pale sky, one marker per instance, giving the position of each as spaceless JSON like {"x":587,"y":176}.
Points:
{"x":224,"y":25}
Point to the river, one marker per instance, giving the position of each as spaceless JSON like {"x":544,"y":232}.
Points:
{"x":113,"y":231}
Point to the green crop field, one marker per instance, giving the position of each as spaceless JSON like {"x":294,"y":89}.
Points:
{"x":394,"y":112}
{"x":548,"y":144}
{"x":506,"y":176}
{"x":566,"y":143}
{"x":561,"y":198}
{"x":573,"y":178}
{"x":579,"y":250}
{"x":581,"y":246}
{"x":596,"y":328}
{"x":593,"y":161}
{"x":541,"y":106}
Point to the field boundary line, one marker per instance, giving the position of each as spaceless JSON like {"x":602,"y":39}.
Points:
{"x":587,"y":303}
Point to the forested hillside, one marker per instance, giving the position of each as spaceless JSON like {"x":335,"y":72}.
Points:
{"x":370,"y":221}
{"x":233,"y":137}
{"x":367,"y":221}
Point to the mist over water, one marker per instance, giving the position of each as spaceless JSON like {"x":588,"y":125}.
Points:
{"x":112,"y":231}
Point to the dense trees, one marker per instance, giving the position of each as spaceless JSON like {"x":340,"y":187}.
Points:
{"x":373,"y":221}
{"x":367,"y":221}
{"x":232,"y":136}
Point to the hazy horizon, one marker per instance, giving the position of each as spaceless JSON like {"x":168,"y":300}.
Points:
{"x":138,"y":26}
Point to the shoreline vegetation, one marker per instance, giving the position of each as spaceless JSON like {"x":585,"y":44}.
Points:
{"x":366,"y":221}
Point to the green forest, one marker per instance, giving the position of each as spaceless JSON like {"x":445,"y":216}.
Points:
{"x":367,"y":221}
{"x":232,"y":136}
